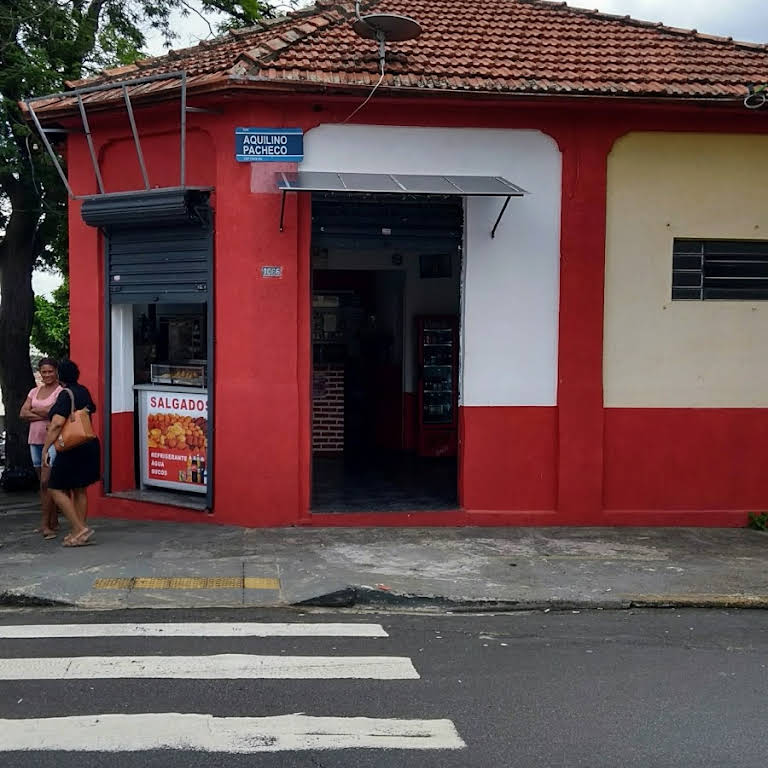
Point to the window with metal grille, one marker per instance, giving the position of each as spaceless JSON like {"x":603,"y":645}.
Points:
{"x":720,"y":269}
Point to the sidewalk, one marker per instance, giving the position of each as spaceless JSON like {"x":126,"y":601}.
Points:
{"x":135,"y":564}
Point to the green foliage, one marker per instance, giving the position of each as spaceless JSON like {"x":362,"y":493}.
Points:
{"x":245,"y":13}
{"x":758,"y":521}
{"x":50,"y":328}
{"x":44,"y":44}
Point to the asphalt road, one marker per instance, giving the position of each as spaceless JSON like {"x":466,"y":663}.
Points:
{"x":647,"y":689}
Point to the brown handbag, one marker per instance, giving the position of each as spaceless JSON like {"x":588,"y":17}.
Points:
{"x":77,"y":428}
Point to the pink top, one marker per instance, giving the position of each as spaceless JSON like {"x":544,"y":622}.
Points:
{"x":37,"y":429}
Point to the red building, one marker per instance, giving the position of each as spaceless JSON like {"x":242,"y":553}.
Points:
{"x":523,"y":284}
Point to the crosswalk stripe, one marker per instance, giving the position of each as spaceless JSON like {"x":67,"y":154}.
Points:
{"x":203,"y":629}
{"x":219,"y":666}
{"x":206,"y":733}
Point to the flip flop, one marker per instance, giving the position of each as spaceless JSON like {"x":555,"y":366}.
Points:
{"x":50,"y":535}
{"x":81,"y":540}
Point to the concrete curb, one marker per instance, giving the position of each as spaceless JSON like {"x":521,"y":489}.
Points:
{"x":370,"y":598}
{"x":21,"y":600}
{"x":699,"y":601}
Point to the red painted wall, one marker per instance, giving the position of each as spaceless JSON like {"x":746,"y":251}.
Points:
{"x":123,"y":470}
{"x":509,"y":459}
{"x":518,"y":465}
{"x":686,"y":459}
{"x":580,"y":346}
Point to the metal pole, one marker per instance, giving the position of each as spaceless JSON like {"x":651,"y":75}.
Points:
{"x":136,"y":141}
{"x":50,"y":149}
{"x":107,"y":447}
{"x":107,"y":86}
{"x":211,"y":356}
{"x":88,"y":136}
{"x":183,"y":181}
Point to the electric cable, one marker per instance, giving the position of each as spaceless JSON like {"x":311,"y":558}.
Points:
{"x":370,"y":95}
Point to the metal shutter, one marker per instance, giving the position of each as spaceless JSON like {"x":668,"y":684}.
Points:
{"x":152,"y":264}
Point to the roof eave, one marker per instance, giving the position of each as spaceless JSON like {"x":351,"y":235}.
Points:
{"x":256,"y":82}
{"x":227,"y":83}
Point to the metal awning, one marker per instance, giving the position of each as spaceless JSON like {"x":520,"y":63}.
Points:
{"x":399,"y":184}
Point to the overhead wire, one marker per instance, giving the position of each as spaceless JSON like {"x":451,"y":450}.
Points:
{"x":370,"y":95}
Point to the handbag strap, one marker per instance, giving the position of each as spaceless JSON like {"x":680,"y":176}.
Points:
{"x":72,"y":400}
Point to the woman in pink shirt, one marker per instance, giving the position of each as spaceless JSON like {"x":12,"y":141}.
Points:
{"x":35,"y":411}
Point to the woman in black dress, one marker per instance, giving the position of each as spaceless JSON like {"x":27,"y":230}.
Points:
{"x":73,"y":470}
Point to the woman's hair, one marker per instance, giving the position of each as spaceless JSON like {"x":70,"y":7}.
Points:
{"x":69,"y":373}
{"x":47,"y":361}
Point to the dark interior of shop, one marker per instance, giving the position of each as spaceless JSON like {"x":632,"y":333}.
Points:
{"x":385,"y":311}
{"x":170,"y":348}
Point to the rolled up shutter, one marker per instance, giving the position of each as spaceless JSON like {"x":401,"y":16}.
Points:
{"x":144,"y":209}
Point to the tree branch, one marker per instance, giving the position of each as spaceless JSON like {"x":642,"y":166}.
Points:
{"x":86,"y":36}
{"x":195,"y":10}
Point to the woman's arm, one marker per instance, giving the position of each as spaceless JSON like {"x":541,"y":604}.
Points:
{"x":27,"y":413}
{"x":57,"y":422}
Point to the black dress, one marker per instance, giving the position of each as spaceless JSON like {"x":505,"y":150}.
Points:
{"x":77,"y":467}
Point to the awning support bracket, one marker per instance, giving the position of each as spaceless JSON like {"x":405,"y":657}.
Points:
{"x":501,"y":214}
{"x":282,"y":211}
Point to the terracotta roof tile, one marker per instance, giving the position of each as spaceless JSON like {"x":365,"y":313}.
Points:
{"x":512,"y":46}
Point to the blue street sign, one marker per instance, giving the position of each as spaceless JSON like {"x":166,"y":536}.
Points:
{"x":269,"y":145}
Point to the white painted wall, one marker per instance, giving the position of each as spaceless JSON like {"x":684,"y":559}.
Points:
{"x":122,"y":358}
{"x":511,"y":291}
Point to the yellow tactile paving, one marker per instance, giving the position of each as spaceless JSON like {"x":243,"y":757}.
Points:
{"x":187,"y":582}
{"x":257,"y":583}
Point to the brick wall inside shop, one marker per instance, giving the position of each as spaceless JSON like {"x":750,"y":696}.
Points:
{"x":328,"y":409}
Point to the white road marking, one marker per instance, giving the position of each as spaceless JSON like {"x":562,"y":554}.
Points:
{"x":205,"y":733}
{"x":220,"y":666}
{"x":202,"y":629}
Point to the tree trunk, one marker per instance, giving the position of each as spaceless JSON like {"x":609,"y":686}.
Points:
{"x":17,"y":308}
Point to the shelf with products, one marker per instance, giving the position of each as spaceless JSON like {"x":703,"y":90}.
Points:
{"x":192,"y":374}
{"x":438,"y":386}
{"x":438,"y":346}
{"x":438,"y":413}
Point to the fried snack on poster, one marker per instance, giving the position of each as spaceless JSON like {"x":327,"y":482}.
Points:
{"x":176,"y":432}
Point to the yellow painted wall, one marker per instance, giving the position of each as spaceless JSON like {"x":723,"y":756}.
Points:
{"x":677,"y":354}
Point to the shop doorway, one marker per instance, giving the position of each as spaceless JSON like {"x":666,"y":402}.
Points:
{"x":385,"y":316}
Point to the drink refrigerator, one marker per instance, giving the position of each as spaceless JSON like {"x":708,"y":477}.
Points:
{"x":438,"y":391}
